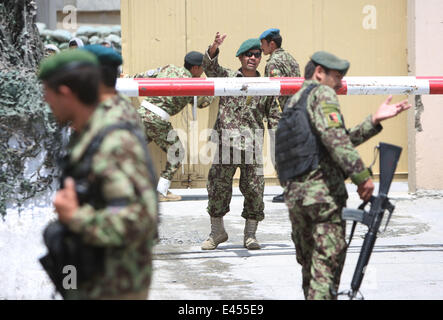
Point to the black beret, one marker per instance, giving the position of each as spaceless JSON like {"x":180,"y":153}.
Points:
{"x":194,"y":58}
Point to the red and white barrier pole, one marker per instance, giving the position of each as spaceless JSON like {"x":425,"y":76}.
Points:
{"x":248,"y":86}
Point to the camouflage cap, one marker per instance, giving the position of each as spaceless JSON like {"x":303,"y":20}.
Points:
{"x":249,"y":44}
{"x":105,"y":55}
{"x":273,"y":32}
{"x":330,"y":61}
{"x":65,"y":60}
{"x":194,"y":58}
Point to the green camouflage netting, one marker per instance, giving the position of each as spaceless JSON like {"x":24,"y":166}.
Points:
{"x":30,"y":140}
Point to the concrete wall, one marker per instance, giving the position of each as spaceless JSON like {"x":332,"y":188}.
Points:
{"x":90,"y":5}
{"x":425,"y":46}
{"x":88,"y":13}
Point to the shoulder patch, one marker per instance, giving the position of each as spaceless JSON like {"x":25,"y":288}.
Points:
{"x":332,"y":114}
{"x":275,"y":73}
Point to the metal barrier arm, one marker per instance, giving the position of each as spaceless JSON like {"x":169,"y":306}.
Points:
{"x":251,"y":86}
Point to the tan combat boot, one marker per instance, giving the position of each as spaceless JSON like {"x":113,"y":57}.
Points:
{"x":217,"y":235}
{"x":169,"y":197}
{"x":250,"y":242}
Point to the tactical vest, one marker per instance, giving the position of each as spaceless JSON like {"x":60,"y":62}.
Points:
{"x":66,"y":248}
{"x":90,"y":191}
{"x":297,"y":148}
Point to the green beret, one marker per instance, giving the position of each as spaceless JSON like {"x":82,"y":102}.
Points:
{"x":194,"y":58}
{"x":64,"y":60}
{"x":105,"y":55}
{"x":249,"y":45}
{"x":330,"y":61}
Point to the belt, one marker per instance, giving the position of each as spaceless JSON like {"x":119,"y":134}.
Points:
{"x":158,"y":111}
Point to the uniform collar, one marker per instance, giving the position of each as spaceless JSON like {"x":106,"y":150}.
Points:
{"x":309,"y":82}
{"x":240,"y":74}
{"x":278,"y":50}
{"x":81,"y":140}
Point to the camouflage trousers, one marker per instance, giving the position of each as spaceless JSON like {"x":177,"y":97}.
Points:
{"x":252,"y":184}
{"x":163,"y":135}
{"x":318,"y":233}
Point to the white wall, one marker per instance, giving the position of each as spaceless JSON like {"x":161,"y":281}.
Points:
{"x":426,"y":59}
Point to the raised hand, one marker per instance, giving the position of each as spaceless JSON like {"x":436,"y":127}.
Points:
{"x":387,"y":111}
{"x":217,"y":42}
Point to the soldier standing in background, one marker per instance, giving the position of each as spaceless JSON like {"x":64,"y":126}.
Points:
{"x":279,"y":64}
{"x":156,"y":111}
{"x":75,"y":43}
{"x":107,"y":203}
{"x":238,"y":118}
{"x":315,"y":199}
{"x":110,"y":61}
{"x":51,"y":49}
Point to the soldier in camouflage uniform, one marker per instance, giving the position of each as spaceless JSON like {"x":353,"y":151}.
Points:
{"x":315,"y":200}
{"x":113,"y":101}
{"x":279,"y":64}
{"x":123,"y":222}
{"x":156,"y":111}
{"x":238,"y":118}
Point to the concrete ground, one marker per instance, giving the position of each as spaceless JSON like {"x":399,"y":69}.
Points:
{"x":407,"y":262}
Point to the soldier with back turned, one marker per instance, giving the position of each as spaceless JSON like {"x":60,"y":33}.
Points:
{"x":156,"y":112}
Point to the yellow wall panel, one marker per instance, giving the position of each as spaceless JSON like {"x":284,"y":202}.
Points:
{"x":372,"y":36}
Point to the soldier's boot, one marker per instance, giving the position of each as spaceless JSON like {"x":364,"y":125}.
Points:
{"x":168,"y":197}
{"x":279,"y":198}
{"x":163,"y":192}
{"x":250,"y":241}
{"x":217,"y":235}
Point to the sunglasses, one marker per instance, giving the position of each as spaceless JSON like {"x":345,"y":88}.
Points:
{"x":255,"y":54}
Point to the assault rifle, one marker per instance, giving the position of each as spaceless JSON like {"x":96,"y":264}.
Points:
{"x":389,"y":156}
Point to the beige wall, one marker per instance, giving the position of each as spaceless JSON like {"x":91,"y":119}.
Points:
{"x":425,"y":48}
{"x":158,"y":32}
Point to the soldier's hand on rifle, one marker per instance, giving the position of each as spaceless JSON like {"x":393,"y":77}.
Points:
{"x":217,"y":42}
{"x":387,"y":111}
{"x":365,"y":189}
{"x":65,"y":201}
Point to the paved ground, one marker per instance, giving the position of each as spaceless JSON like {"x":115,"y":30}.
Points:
{"x":407,"y":262}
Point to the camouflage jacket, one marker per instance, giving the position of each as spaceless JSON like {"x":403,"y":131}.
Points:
{"x":281,"y":64}
{"x":120,"y":107}
{"x":126,"y":229}
{"x":172,"y":105}
{"x":239,"y":115}
{"x":341,"y":159}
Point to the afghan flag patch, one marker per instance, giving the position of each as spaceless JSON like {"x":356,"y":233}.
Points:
{"x":275,"y":73}
{"x":334,"y":119}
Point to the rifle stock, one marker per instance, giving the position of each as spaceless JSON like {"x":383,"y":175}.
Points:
{"x":389,"y":156}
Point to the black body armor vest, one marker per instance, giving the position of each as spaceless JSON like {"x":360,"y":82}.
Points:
{"x":297,"y":149}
